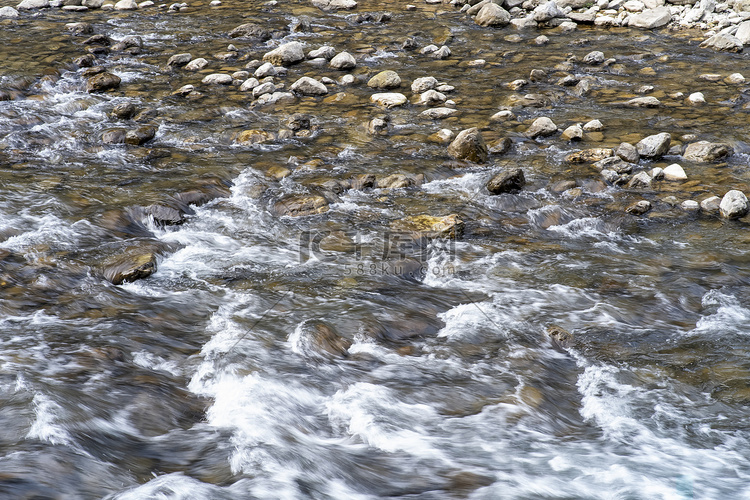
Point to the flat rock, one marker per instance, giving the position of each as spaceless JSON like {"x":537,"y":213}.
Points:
{"x":333,"y":5}
{"x":706,"y":152}
{"x":469,"y":145}
{"x":129,"y":267}
{"x":589,"y":155}
{"x":196,"y":64}
{"x":389,"y":99}
{"x":33,"y":4}
{"x":651,"y":18}
{"x":723,"y":42}
{"x":217,"y":79}
{"x":251,"y":30}
{"x":286,"y":54}
{"x":301,"y":205}
{"x":644,"y":102}
{"x":438,"y":113}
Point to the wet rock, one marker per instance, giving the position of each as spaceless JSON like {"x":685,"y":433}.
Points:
{"x":492,"y":14}
{"x":326,"y":52}
{"x":614,"y":163}
{"x":141,"y":135}
{"x":696,"y":99}
{"x":502,"y":116}
{"x":651,"y":18}
{"x":432,"y":97}
{"x":593,"y":126}
{"x":594,"y":57}
{"x":385,"y":80}
{"x":734,"y":204}
{"x":165,"y":215}
{"x":299,"y":121}
{"x":377,"y":126}
{"x":507,"y":182}
{"x":690,"y":206}
{"x":129,"y":267}
{"x":421,"y":85}
{"x":450,"y":226}
{"x":562,"y":186}
{"x":706,"y":152}
{"x":319,"y":338}
{"x":309,"y":86}
{"x":251,"y":30}
{"x":333,"y":5}
{"x":389,"y":99}
{"x":86,"y":61}
{"x":103,"y":82}
{"x":469,"y":145}
{"x":501,"y":146}
{"x":641,"y":180}
{"x":711,"y":204}
{"x":249,"y":84}
{"x":442,"y":53}
{"x":179,"y":60}
{"x":286,"y":54}
{"x":628,"y":152}
{"x":114,"y":136}
{"x":639,"y":207}
{"x":185,"y":91}
{"x":644,"y":102}
{"x":300,"y":205}
{"x":438,"y":113}
{"x":275,"y":98}
{"x":723,"y":42}
{"x":217,"y":79}
{"x":255,"y":137}
{"x":343,"y":61}
{"x":8,"y":12}
{"x":264,"y":70}
{"x":397,"y":181}
{"x":265,"y":88}
{"x":674,"y":172}
{"x":124,"y":111}
{"x":654,"y":146}
{"x":541,"y":127}
{"x":589,"y":155}
{"x":560,"y":337}
{"x":196,"y":64}
{"x":573,"y":133}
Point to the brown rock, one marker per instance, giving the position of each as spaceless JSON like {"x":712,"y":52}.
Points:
{"x":589,"y":155}
{"x":469,"y":145}
{"x":301,"y":205}
{"x":103,"y":82}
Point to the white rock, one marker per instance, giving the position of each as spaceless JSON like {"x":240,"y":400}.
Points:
{"x":573,"y":133}
{"x":502,"y":116}
{"x":217,"y":79}
{"x":8,"y":12}
{"x":547,"y":11}
{"x":389,"y":99}
{"x":690,"y":206}
{"x":541,"y":127}
{"x":421,"y":85}
{"x":651,"y":18}
{"x":264,"y":88}
{"x":343,"y":60}
{"x":249,"y":84}
{"x":442,"y":53}
{"x":286,"y":54}
{"x":654,"y":146}
{"x":196,"y":64}
{"x":429,"y":49}
{"x":593,"y":126}
{"x":264,"y":70}
{"x":347,"y":80}
{"x":33,"y":4}
{"x":633,"y":6}
{"x":674,"y":172}
{"x":696,"y":98}
{"x":733,"y":204}
{"x":431,"y":97}
{"x":735,"y":79}
{"x":309,"y":86}
{"x":491,"y":14}
{"x":275,"y":97}
{"x":325,"y":51}
{"x":438,"y":113}
{"x":743,"y":32}
{"x":711,"y":204}
{"x":126,"y":5}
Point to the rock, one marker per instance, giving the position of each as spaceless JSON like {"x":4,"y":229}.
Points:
{"x":492,"y":15}
{"x":442,"y":136}
{"x":179,"y":60}
{"x":696,"y":98}
{"x":675,"y":172}
{"x":735,"y":78}
{"x":196,"y":64}
{"x":326,"y":52}
{"x":690,"y":206}
{"x":286,"y":54}
{"x":126,"y":5}
{"x":651,"y":18}
{"x":396,"y":181}
{"x":103,"y":82}
{"x":217,"y":79}
{"x":251,"y":30}
{"x":442,"y":53}
{"x":320,"y":339}
{"x":300,"y":121}
{"x":541,"y":127}
{"x":593,"y":126}
{"x":546,"y":12}
{"x":129,"y":267}
{"x":628,"y":152}
{"x":614,"y":163}
{"x":562,"y":186}
{"x":377,"y":126}
{"x":573,"y":133}
{"x":594,"y":57}
{"x":657,"y":173}
{"x":249,"y":84}
{"x":32,"y":4}
{"x":8,"y":12}
{"x":640,"y":180}
{"x":429,"y":49}
{"x":432,"y":97}
{"x":723,"y":42}
{"x":711,"y":204}
{"x":343,"y":60}
{"x":639,"y":207}
{"x":275,"y":98}
{"x":309,"y":86}
{"x":501,"y":146}
{"x":265,"y":88}
{"x":300,"y":205}
{"x":421,"y":85}
{"x":114,"y":136}
{"x":743,"y":32}
{"x":429,"y":226}
{"x":333,"y":5}
{"x":502,"y":116}
{"x":124,"y":111}
{"x":264,"y":70}
{"x":644,"y":102}
{"x":438,"y":113}
{"x":385,"y":80}
{"x":389,"y":99}
{"x":654,"y":146}
{"x":706,"y":152}
{"x":141,"y":135}
{"x":733,"y":204}
{"x":507,"y":182}
{"x":589,"y":155}
{"x":254,"y":137}
{"x":469,"y":145}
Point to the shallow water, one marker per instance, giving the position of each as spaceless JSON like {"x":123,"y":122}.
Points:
{"x":325,"y":356}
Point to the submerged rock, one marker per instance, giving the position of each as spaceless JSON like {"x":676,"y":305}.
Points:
{"x":130,"y":267}
{"x":507,"y":182}
{"x":450,"y":226}
{"x":103,"y":82}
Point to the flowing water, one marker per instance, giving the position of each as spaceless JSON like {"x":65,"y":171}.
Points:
{"x":301,"y":357}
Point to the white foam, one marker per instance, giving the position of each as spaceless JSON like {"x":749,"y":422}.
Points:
{"x":45,"y":427}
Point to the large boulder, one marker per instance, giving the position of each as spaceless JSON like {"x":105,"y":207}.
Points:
{"x":507,"y":182}
{"x":469,"y":145}
{"x":286,"y":54}
{"x":491,"y":14}
{"x":706,"y":152}
{"x":651,"y":18}
{"x":654,"y":146}
{"x":733,"y":204}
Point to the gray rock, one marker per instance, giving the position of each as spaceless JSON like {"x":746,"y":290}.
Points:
{"x":196,"y":64}
{"x":733,"y":204}
{"x":654,"y":146}
{"x":126,"y":5}
{"x":723,"y":42}
{"x":179,"y":60}
{"x":492,"y":15}
{"x":286,"y":54}
{"x":690,"y":206}
{"x":8,"y":13}
{"x":675,"y":172}
{"x":628,"y":152}
{"x":265,"y":88}
{"x":507,"y":182}
{"x":573,"y":133}
{"x":309,"y":86}
{"x":641,"y":180}
{"x":594,"y":57}
{"x":432,"y":97}
{"x":469,"y":145}
{"x":644,"y":102}
{"x":326,"y":51}
{"x":547,"y":11}
{"x":333,"y":5}
{"x":249,"y":84}
{"x":711,"y":204}
{"x":217,"y":79}
{"x":706,"y":152}
{"x":343,"y":60}
{"x":33,"y":4}
{"x":423,"y":84}
{"x":251,"y":30}
{"x":385,"y":80}
{"x":264,"y":70}
{"x":389,"y":99}
{"x":541,"y":127}
{"x":743,"y":32}
{"x":438,"y":113}
{"x":442,"y":53}
{"x":651,"y":18}
{"x":639,"y":207}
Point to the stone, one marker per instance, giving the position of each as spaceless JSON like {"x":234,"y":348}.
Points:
{"x":333,"y":5}
{"x":309,"y":86}
{"x":264,"y":70}
{"x":690,"y":206}
{"x":8,"y":12}
{"x":343,"y":61}
{"x":674,"y":172}
{"x":251,"y":30}
{"x":33,"y":4}
{"x":300,"y":205}
{"x":640,"y":180}
{"x":124,"y":111}
{"x":377,"y":126}
{"x":654,"y":146}
{"x":502,"y":116}
{"x":432,"y":97}
{"x":639,"y":207}
{"x":285,"y":55}
{"x":696,"y":98}
{"x":589,"y":155}
{"x":249,"y":84}
{"x":442,"y":53}
{"x":421,"y":85}
{"x":723,"y":42}
{"x":546,"y":12}
{"x":129,"y":267}
{"x":743,"y":32}
{"x":385,"y":80}
{"x":628,"y":152}
{"x":711,"y":204}
{"x":442,"y":136}
{"x":141,"y":135}
{"x":614,"y":163}
{"x":492,"y":15}
{"x":275,"y":98}
{"x":114,"y":136}
{"x":217,"y":79}
{"x":469,"y":145}
{"x":573,"y":133}
{"x":593,"y":126}
{"x":541,"y":127}
{"x":651,"y":18}
{"x":733,"y":204}
{"x":644,"y":102}
{"x":594,"y":57}
{"x":706,"y":152}
{"x":396,"y":181}
{"x":450,"y":226}
{"x":507,"y":182}
{"x":126,"y":5}
{"x":179,"y":60}
{"x":196,"y":64}
{"x":735,"y":78}
{"x":501,"y":146}
{"x":264,"y":88}
{"x":103,"y":82}
{"x":255,"y":137}
{"x":326,"y":51}
{"x":438,"y":113}
{"x":389,"y":99}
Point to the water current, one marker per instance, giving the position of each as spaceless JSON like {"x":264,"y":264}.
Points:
{"x":285,"y":357}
